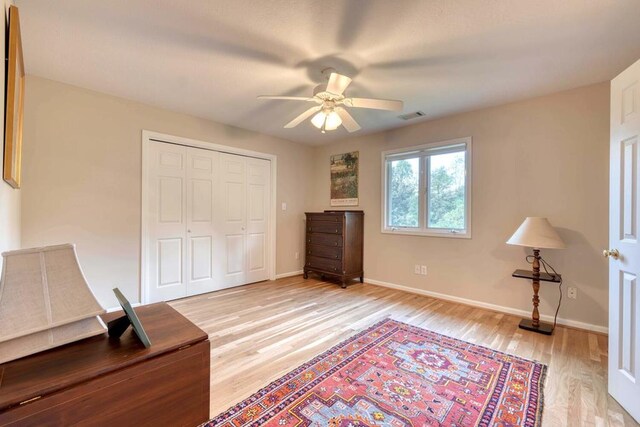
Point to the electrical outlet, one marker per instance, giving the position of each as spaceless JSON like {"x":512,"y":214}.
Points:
{"x":572,"y":292}
{"x":284,"y":206}
{"x":297,"y":255}
{"x":423,"y":270}
{"x":416,"y":269}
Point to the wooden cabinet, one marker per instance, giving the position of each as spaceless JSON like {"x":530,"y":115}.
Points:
{"x":103,"y":381}
{"x":334,"y":244}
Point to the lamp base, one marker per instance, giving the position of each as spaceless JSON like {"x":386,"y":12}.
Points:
{"x":544,"y":328}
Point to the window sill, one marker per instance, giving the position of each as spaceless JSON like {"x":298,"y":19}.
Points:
{"x":460,"y":235}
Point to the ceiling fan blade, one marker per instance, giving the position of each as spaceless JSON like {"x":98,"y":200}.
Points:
{"x":337,"y":83}
{"x":376,"y":104}
{"x":287,"y":98}
{"x":347,"y":120}
{"x":302,"y":117}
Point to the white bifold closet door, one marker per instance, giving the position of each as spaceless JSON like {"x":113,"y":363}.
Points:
{"x":207,"y":222}
{"x":244,"y":190}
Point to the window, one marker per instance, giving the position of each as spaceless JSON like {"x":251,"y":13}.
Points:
{"x":426,"y":189}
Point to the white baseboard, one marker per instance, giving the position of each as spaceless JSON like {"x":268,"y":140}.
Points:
{"x":289,"y":274}
{"x":494,"y":307}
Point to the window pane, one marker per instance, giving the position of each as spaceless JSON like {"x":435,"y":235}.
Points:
{"x":403,"y":193}
{"x":447,"y":191}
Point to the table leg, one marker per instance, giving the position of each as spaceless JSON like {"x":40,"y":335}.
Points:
{"x":535,"y":315}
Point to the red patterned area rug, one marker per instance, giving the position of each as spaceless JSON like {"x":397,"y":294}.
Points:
{"x":394,"y":374}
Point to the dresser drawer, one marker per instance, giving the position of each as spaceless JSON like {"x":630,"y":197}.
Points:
{"x":331,"y":252}
{"x":324,"y":239}
{"x":324,"y":217}
{"x":324,"y":227}
{"x":324,"y":264}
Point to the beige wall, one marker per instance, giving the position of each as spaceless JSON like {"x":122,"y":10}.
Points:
{"x":542,"y":157}
{"x":9,"y":197}
{"x":82,"y":178}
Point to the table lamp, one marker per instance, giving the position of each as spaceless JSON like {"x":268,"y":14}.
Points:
{"x":45,"y":302}
{"x":536,"y":233}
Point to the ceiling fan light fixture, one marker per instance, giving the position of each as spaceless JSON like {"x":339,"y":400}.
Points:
{"x":333,"y":121}
{"x":318,"y":119}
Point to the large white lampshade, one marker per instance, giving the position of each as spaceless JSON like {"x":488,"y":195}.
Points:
{"x":45,"y":301}
{"x":536,"y":232}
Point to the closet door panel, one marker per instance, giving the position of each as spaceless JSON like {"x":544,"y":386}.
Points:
{"x":166,"y":222}
{"x":233,"y":190}
{"x":201,"y":258}
{"x":203,"y":241}
{"x":258,"y":196}
{"x":235,"y":254}
{"x":257,"y":256}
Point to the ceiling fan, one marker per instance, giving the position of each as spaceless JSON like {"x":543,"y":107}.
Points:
{"x":330,"y":111}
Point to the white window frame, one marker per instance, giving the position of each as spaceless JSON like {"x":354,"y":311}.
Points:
{"x":422,"y":229}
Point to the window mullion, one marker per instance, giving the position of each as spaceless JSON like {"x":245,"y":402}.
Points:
{"x":424,"y":197}
{"x":387,"y":203}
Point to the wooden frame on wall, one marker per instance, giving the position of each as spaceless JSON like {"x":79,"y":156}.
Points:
{"x":344,"y":177}
{"x":14,"y":102}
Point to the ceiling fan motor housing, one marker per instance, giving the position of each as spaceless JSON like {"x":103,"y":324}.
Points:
{"x":320,"y":91}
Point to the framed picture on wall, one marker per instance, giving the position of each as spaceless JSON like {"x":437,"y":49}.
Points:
{"x":14,"y":102}
{"x":344,"y":179}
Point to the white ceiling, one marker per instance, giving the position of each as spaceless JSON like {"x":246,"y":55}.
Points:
{"x":211,"y":58}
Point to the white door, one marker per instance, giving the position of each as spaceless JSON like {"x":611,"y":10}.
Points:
{"x":201,"y":238}
{"x":258,"y":195}
{"x":244,"y":220}
{"x":166,"y":222}
{"x":233,"y":219}
{"x":207,"y":221}
{"x":624,"y":217}
{"x":181,"y":243}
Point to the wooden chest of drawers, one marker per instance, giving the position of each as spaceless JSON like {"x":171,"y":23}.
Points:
{"x":334,"y":244}
{"x":101,"y":381}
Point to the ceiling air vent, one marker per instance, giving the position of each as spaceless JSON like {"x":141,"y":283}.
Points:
{"x":411,"y":116}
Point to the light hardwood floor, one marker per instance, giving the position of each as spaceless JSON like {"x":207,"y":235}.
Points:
{"x":260,"y":332}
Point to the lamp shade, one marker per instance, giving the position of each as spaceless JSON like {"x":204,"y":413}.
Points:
{"x":536,"y":232}
{"x":45,"y":301}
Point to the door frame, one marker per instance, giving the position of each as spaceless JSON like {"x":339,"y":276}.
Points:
{"x":152,"y":136}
